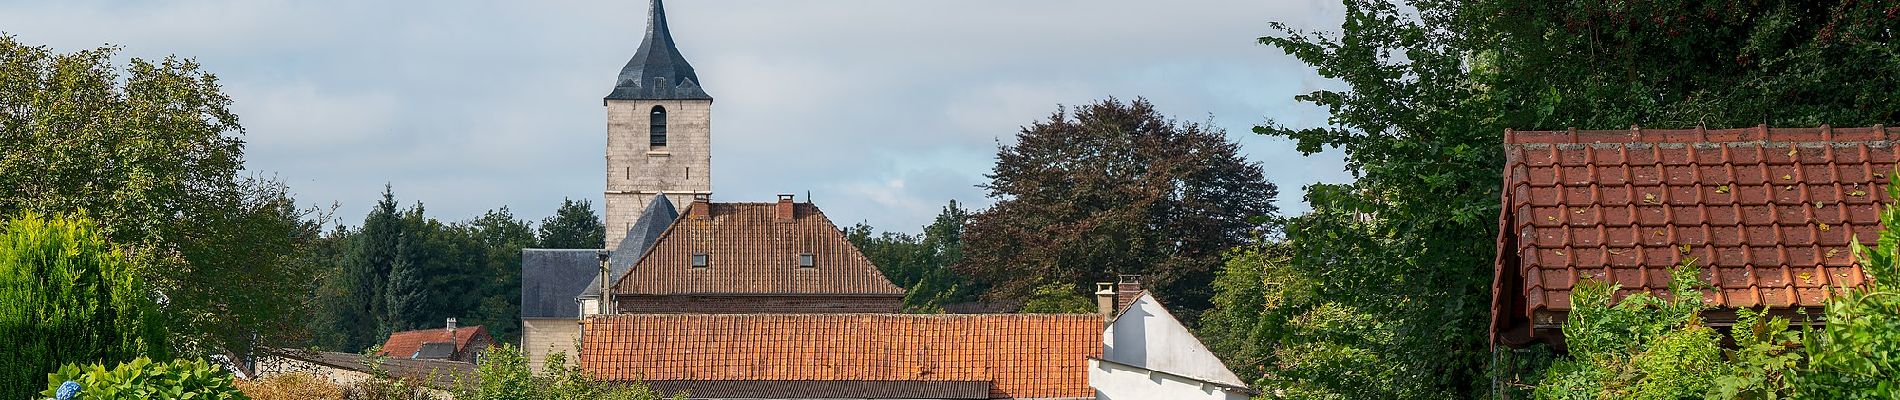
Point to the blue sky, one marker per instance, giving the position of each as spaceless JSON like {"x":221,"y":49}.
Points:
{"x":882,"y":110}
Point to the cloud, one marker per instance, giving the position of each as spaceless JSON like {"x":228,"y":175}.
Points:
{"x":883,"y":110}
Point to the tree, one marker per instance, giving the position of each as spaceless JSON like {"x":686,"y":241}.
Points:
{"x":921,"y":263}
{"x":1115,"y":188}
{"x":1430,"y":87}
{"x":1057,"y":298}
{"x":502,"y":237}
{"x":153,"y":154}
{"x":372,"y":256}
{"x":67,"y":296}
{"x":573,"y":226}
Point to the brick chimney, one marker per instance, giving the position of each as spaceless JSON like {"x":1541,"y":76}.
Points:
{"x":701,"y":207}
{"x":786,"y":210}
{"x":1105,"y":299}
{"x":1127,"y":288}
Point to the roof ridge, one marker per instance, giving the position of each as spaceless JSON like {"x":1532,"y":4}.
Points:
{"x":1759,"y":133}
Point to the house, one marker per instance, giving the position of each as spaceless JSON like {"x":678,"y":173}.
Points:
{"x":559,"y":286}
{"x":847,"y":356}
{"x":1148,"y":354}
{"x":1768,"y":214}
{"x":451,"y":343}
{"x":348,"y":368}
{"x":783,"y":257}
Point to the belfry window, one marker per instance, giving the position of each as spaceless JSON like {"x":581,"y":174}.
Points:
{"x":657,"y":133}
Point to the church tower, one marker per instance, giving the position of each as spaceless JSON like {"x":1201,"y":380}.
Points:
{"x":659,"y":130}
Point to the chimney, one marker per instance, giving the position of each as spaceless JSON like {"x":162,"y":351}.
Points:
{"x":451,"y":328}
{"x":1127,"y":288}
{"x":701,"y":208}
{"x":1105,"y":299}
{"x":785,"y":208}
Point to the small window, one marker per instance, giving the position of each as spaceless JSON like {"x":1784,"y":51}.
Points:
{"x":700,"y":260}
{"x":805,"y":260}
{"x":657,"y":130}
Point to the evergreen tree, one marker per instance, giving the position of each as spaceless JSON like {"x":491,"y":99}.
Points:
{"x":573,"y":226}
{"x":372,"y":255}
{"x":67,"y":296}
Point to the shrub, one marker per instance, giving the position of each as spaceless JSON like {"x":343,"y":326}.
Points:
{"x":66,"y":296}
{"x":292,"y":386}
{"x":143,"y":379}
{"x":1057,"y":298}
{"x":505,"y":376}
{"x":1857,"y":355}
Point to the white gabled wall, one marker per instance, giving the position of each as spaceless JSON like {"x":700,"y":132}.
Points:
{"x":1147,"y":337}
{"x":1120,"y":382}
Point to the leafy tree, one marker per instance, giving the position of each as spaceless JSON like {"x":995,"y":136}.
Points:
{"x":501,"y":236}
{"x":1115,"y":188}
{"x":68,"y":296}
{"x":1057,"y":298}
{"x":921,"y":263}
{"x":1429,"y":88}
{"x":573,"y":226}
{"x":153,"y":154}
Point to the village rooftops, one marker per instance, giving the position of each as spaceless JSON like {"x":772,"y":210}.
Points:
{"x":447,"y":343}
{"x":948,"y":356}
{"x":1768,"y":214}
{"x":783,"y":248}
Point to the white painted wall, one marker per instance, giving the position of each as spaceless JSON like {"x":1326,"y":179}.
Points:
{"x":1158,"y":359}
{"x":1120,"y":382}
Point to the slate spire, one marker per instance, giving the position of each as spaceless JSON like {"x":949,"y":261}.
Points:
{"x":657,"y":71}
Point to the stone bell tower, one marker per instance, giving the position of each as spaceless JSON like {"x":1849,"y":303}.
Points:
{"x":659,"y":130}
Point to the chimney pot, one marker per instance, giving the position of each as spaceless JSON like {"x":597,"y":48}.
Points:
{"x":700,"y":209}
{"x":1127,"y":288}
{"x":1105,"y":299}
{"x":451,"y":326}
{"x":785,"y":208}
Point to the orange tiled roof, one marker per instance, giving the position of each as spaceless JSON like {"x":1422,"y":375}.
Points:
{"x":404,"y":344}
{"x":751,"y":252}
{"x":1025,"y":356}
{"x":1768,"y":213}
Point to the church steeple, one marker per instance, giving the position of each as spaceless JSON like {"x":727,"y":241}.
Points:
{"x":657,"y":71}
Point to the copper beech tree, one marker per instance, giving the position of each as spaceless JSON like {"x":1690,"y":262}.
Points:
{"x":1115,"y":188}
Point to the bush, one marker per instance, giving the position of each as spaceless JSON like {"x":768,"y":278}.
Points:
{"x":143,"y":379}
{"x":66,"y":296}
{"x":1057,"y":298}
{"x":505,"y":376}
{"x":292,"y":386}
{"x":1857,"y":355}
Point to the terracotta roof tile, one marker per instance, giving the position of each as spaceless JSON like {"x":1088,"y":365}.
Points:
{"x":1768,"y":213}
{"x":404,"y":344}
{"x":1024,"y":356}
{"x":751,"y":252}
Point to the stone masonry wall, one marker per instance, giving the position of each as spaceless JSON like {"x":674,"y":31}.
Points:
{"x":636,"y":170}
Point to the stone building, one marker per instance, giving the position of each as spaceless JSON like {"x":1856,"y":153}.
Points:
{"x":659,"y":130}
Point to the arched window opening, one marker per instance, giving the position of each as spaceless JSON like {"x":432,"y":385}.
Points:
{"x":657,"y":132}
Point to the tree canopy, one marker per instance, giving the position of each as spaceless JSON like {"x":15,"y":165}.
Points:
{"x":1115,"y":188}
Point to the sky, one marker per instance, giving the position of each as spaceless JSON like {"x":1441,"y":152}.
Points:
{"x":882,"y":110}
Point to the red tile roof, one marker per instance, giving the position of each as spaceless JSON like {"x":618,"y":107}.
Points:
{"x":1025,"y":356}
{"x":1768,"y":213}
{"x":751,"y":251}
{"x":404,"y":344}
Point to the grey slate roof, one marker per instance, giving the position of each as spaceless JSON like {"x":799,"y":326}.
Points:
{"x":646,"y":230}
{"x":657,"y":71}
{"x":434,"y":351}
{"x":550,"y":278}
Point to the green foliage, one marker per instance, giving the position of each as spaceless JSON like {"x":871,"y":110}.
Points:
{"x":1857,"y":355}
{"x":505,"y":376}
{"x":921,"y":263}
{"x":1114,"y":188}
{"x":152,"y":152}
{"x":1057,"y":298}
{"x":405,"y":270}
{"x":67,"y":296}
{"x":573,"y":226}
{"x":1429,"y":86}
{"x":142,"y":379}
{"x":1649,"y":347}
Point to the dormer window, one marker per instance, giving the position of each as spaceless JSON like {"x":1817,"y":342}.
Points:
{"x":806,"y":260}
{"x":656,"y":132}
{"x":701,"y":260}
